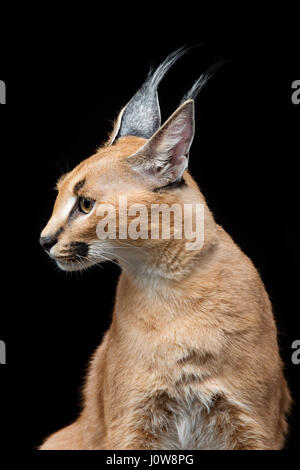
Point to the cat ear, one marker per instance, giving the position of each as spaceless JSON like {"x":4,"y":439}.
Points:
{"x":141,"y":116}
{"x":164,"y":158}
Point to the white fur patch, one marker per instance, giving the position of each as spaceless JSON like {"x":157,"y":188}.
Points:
{"x":65,"y":210}
{"x":189,"y":428}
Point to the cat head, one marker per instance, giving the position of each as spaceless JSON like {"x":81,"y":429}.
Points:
{"x":143,"y":164}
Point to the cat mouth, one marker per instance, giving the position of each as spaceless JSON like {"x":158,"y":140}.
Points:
{"x":71,"y":262}
{"x":79,"y":257}
{"x":74,"y":258}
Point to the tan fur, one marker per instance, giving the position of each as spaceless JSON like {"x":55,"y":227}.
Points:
{"x":191,"y":359}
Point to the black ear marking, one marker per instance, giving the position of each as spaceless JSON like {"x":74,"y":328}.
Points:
{"x":141,"y":116}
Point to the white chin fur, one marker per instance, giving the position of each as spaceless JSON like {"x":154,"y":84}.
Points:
{"x":78,"y":266}
{"x":69,"y":266}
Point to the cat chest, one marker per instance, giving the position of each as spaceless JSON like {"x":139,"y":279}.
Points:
{"x":188,"y":423}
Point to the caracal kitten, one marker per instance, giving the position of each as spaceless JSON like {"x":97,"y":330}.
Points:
{"x":191,"y":358}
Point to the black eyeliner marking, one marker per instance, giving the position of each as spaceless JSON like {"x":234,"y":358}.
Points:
{"x":174,"y":185}
{"x":73,"y":211}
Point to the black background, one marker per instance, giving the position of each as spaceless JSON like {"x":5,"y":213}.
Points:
{"x":65,"y":84}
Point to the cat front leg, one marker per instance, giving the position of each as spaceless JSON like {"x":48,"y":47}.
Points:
{"x":68,"y":438}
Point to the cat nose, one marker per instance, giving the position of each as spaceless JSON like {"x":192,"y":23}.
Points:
{"x":48,"y":242}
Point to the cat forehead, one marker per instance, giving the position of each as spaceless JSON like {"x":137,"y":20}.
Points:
{"x":103,"y":158}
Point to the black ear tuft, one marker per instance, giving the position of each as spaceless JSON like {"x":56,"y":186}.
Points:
{"x":201,"y":82}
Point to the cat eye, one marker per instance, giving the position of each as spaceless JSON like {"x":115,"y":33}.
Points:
{"x":86,"y":205}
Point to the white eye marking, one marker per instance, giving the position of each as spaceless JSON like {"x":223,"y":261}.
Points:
{"x":64,"y":211}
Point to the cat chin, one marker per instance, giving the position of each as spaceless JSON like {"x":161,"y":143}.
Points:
{"x":71,"y":266}
{"x":82,"y":264}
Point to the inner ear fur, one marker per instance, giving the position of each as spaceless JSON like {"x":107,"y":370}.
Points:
{"x":164,"y":157}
